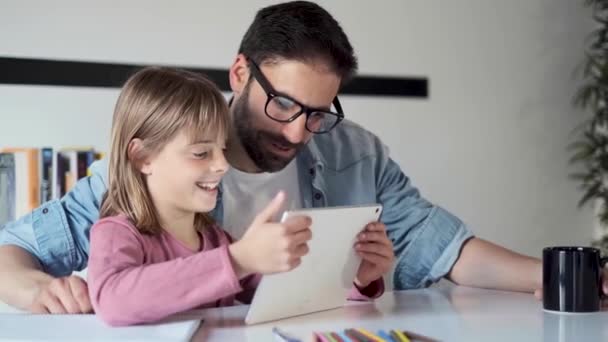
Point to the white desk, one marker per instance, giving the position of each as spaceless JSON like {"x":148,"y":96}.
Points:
{"x":445,"y":313}
{"x":8,"y":309}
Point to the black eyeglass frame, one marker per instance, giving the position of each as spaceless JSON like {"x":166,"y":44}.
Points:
{"x":272,"y":93}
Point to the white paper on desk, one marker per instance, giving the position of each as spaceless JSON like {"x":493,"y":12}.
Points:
{"x":26,"y":327}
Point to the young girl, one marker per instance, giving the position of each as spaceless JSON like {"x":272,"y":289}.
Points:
{"x":155,"y":252}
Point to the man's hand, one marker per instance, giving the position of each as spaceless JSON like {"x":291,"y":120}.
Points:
{"x":25,"y":286}
{"x":376,"y":252}
{"x":68,"y":295}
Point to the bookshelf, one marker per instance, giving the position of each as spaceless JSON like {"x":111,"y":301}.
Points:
{"x":31,"y":176}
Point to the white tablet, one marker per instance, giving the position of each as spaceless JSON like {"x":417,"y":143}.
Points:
{"x":325,"y":276}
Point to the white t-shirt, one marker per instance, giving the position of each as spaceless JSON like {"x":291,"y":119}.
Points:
{"x":246,"y":194}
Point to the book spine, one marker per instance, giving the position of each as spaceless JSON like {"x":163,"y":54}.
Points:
{"x":7,"y":188}
{"x":82,"y":158}
{"x":34,"y":177}
{"x":46,"y":174}
{"x":54,"y":178}
{"x":90,"y":160}
{"x":62,"y":167}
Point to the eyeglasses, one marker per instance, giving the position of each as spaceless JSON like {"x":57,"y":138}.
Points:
{"x":283,"y":108}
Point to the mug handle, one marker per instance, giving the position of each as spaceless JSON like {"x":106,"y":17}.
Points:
{"x":603,"y":262}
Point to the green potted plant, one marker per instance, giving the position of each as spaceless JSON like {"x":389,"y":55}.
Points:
{"x":590,"y":150}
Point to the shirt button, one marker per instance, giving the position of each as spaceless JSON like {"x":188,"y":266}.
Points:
{"x":45,"y":210}
{"x":317,"y":196}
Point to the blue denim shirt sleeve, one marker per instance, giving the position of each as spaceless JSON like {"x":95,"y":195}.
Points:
{"x":356,"y":169}
{"x":57,"y":233}
{"x":427,"y":239}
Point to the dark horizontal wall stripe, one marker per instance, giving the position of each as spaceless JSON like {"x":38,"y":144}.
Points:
{"x":387,"y":86}
{"x":113,"y":75}
{"x":80,"y":74}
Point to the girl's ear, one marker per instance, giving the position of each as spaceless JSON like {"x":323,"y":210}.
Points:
{"x":239,"y":74}
{"x":136,"y":156}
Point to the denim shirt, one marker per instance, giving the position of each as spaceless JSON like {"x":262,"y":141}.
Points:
{"x":347,"y":166}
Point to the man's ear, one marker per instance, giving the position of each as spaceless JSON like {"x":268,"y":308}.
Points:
{"x":136,"y":156}
{"x":239,"y":74}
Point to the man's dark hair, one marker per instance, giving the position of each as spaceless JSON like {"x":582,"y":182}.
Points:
{"x":299,"y":30}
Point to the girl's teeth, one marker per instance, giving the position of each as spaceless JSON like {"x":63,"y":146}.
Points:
{"x":208,"y":187}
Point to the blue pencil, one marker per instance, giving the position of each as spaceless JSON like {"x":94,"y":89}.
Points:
{"x":385,"y":336}
{"x":345,"y":337}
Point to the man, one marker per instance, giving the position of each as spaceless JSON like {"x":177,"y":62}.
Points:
{"x":286,"y":136}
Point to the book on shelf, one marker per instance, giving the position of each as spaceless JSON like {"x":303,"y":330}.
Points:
{"x":46,"y":174}
{"x":30,"y":177}
{"x":27,"y":190}
{"x":7,"y":187}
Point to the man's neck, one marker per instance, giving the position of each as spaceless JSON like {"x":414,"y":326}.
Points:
{"x":237,"y":156}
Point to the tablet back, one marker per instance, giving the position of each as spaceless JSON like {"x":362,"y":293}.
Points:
{"x":325,"y":276}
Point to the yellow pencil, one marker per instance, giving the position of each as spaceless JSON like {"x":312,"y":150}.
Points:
{"x":329,"y":337}
{"x":370,"y":335}
{"x":400,"y":335}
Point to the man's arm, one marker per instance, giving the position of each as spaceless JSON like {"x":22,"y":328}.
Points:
{"x":20,"y":277}
{"x":431,"y":243}
{"x":26,"y":287}
{"x":486,"y":265}
{"x":53,"y":239}
{"x":426,"y":238}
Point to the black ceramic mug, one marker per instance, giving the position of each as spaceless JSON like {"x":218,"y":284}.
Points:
{"x":572,"y":279}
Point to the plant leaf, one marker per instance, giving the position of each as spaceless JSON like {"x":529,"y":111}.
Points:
{"x":592,"y":192}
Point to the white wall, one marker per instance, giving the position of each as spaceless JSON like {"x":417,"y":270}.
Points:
{"x":489,"y":144}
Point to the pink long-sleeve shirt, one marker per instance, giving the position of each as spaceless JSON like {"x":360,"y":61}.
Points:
{"x":135,"y":278}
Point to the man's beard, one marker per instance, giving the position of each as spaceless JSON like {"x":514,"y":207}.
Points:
{"x":253,"y":139}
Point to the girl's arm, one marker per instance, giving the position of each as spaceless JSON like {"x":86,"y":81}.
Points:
{"x":125,"y":291}
{"x":250,"y":282}
{"x":374,"y":290}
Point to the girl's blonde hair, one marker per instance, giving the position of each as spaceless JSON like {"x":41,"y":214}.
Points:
{"x":154,"y":105}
